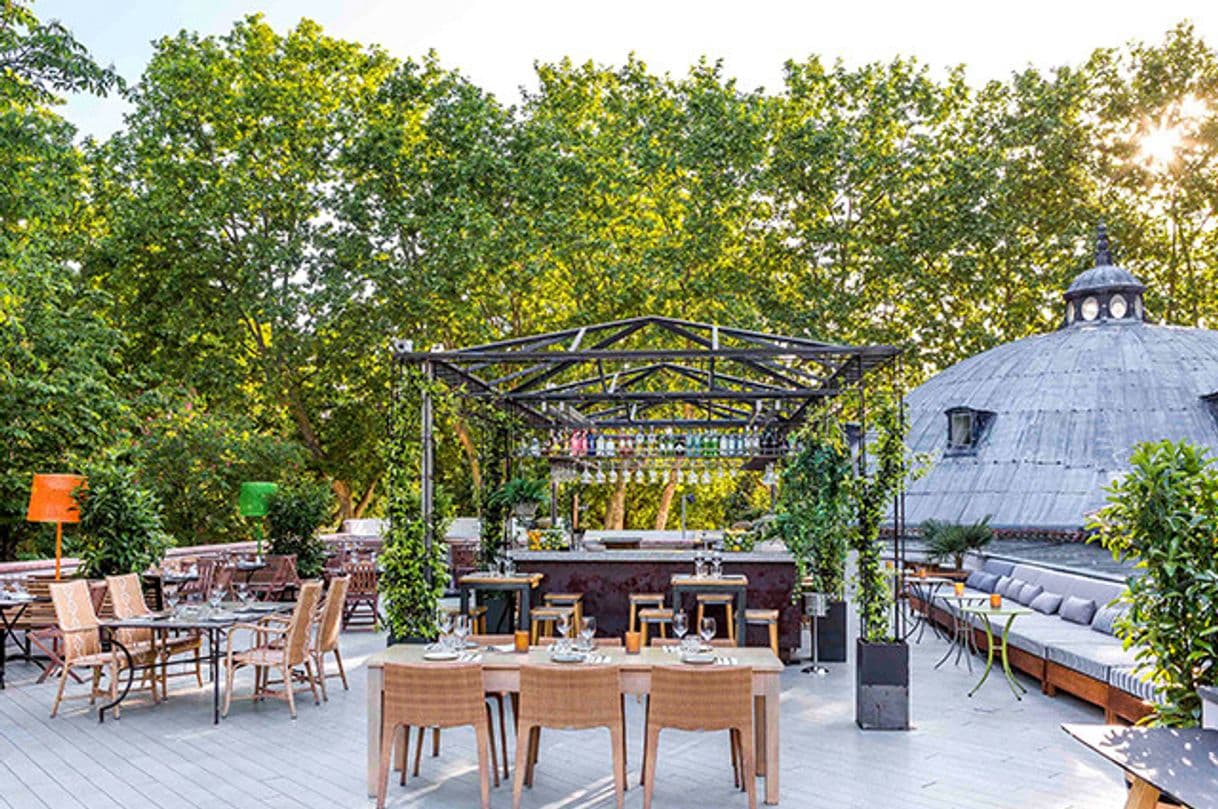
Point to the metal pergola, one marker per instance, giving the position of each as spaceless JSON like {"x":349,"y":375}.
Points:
{"x":650,"y":373}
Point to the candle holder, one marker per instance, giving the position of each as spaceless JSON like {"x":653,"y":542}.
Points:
{"x":634,"y":643}
{"x":521,"y":640}
{"x":995,"y":601}
{"x":959,"y":588}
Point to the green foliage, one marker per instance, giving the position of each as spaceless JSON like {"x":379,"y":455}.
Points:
{"x":120,"y":527}
{"x":1164,"y":515}
{"x":521,"y":491}
{"x":871,"y":495}
{"x":295,"y":513}
{"x":735,"y":541}
{"x":813,"y":512}
{"x":951,"y":541}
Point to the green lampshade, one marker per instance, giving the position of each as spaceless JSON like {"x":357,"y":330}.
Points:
{"x":255,"y":498}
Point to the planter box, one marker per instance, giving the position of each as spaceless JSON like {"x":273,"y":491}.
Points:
{"x":881,"y":692}
{"x":831,"y":634}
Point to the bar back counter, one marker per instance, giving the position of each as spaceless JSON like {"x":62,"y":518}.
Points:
{"x":608,"y":577}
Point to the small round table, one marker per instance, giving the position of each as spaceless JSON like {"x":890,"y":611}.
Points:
{"x":962,"y":631}
{"x":1010,"y":613}
{"x":926,"y":588}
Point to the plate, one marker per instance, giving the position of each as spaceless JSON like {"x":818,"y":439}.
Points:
{"x":440,"y":655}
{"x":567,"y":657}
{"x":699,"y":658}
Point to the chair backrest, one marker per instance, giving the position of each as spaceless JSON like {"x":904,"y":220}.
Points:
{"x":701,"y":699}
{"x":716,"y":642}
{"x":77,"y":619}
{"x":442,"y":695}
{"x":332,"y":614}
{"x":607,"y":643}
{"x":296,"y":640}
{"x":363,"y":579}
{"x":222,"y":578}
{"x":570,"y":697}
{"x":127,"y":601}
{"x":493,"y":640}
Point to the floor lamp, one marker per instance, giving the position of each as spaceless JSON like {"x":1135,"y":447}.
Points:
{"x":254,"y":502}
{"x":51,"y":500}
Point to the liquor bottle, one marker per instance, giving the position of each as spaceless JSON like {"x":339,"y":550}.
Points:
{"x":592,"y":442}
{"x":678,"y":445}
{"x":725,"y":444}
{"x":608,"y":448}
{"x":535,"y":447}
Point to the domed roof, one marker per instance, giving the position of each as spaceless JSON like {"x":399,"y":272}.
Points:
{"x":1098,"y":279}
{"x":1055,"y":417}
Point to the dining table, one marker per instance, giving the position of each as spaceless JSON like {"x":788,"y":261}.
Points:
{"x":521,"y":585}
{"x":12,"y":607}
{"x":501,"y":673}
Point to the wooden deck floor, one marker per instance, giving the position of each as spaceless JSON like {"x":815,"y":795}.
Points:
{"x":990,"y":751}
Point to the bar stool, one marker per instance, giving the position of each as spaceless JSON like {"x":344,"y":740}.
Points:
{"x":477,"y":618}
{"x":641,"y":600}
{"x":573,"y":600}
{"x":768,"y":618}
{"x":725,"y":600}
{"x":547,"y":618}
{"x":659,"y":616}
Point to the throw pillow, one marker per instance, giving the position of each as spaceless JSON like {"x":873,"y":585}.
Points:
{"x":1013,"y":588}
{"x":986,"y":582}
{"x":1105,"y":618}
{"x":1028,"y":592}
{"x":1077,"y":610}
{"x":1046,"y":603}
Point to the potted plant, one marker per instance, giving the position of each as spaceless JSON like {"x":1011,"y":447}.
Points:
{"x":881,"y":694}
{"x":121,"y":528}
{"x":294,"y":513}
{"x":812,"y":518}
{"x":522,"y":495}
{"x":952,"y":542}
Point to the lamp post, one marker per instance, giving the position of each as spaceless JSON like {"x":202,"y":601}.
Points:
{"x":51,"y":500}
{"x":253,"y":502}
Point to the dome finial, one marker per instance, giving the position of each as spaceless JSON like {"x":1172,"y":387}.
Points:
{"x":1103,"y":256}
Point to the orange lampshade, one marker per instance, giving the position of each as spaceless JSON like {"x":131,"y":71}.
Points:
{"x":51,"y":498}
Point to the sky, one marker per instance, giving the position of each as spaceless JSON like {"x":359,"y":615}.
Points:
{"x":496,"y":42}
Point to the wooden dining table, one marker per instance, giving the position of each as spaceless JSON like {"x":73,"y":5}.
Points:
{"x":501,"y":673}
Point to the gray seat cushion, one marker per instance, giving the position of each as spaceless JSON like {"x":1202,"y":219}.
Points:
{"x":1077,"y":610}
{"x":1046,"y":603}
{"x":1032,"y":633}
{"x":1091,"y":658}
{"x":1130,"y":680}
{"x":1101,"y":591}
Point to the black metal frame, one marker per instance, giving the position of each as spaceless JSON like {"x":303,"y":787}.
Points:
{"x":648,"y":372}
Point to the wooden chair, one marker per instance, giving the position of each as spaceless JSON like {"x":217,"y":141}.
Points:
{"x":724,"y":600}
{"x":640,"y":601}
{"x":477,"y":617}
{"x":654,"y":616}
{"x":362,"y":594}
{"x":543,"y":621}
{"x":41,"y":629}
{"x":82,"y":647}
{"x":569,"y":699}
{"x":222,"y":579}
{"x":325,"y":641}
{"x":573,"y":600}
{"x":127,"y":600}
{"x":435,"y":695}
{"x":702,"y":700}
{"x":766,"y":618}
{"x":275,"y":580}
{"x":267,"y":653}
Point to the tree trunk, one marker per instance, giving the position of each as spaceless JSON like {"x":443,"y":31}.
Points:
{"x":670,"y":489}
{"x":366,"y":500}
{"x":615,"y":516}
{"x":343,"y":490}
{"x":471,"y":454}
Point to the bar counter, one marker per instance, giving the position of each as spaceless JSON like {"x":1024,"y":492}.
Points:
{"x":608,"y":577}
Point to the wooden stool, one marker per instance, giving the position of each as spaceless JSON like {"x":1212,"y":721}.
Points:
{"x":765,"y":618}
{"x":661,"y":616}
{"x":637,"y":600}
{"x":573,"y":600}
{"x":547,"y":618}
{"x":725,"y":600}
{"x":477,"y":618}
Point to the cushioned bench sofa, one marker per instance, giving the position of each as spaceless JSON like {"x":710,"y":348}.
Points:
{"x":1067,"y":643}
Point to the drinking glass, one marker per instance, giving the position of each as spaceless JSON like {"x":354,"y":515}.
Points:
{"x":461,"y":629}
{"x":217,"y":595}
{"x":243,"y":594}
{"x":172,"y":600}
{"x":679,"y":625}
{"x":707,"y":630}
{"x":444,"y":620}
{"x":587,"y":631}
{"x":563,"y":625}
{"x":716,"y":565}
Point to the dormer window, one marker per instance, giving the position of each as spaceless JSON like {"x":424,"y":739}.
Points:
{"x":966,"y":426}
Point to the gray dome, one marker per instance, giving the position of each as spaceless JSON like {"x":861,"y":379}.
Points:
{"x":1059,"y":414}
{"x":1108,"y":277}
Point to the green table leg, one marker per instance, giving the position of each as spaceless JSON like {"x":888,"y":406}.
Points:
{"x":989,"y":653}
{"x":1016,"y":687}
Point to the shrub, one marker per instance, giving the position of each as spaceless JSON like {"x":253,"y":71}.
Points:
{"x":121,"y":530}
{"x":1164,"y":515}
{"x":295,"y":512}
{"x":521,"y":491}
{"x":950,"y":541}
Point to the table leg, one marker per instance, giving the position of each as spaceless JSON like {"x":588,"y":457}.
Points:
{"x":773,"y":689}
{"x":526,"y":595}
{"x":3,"y":651}
{"x":954,"y":646}
{"x":464,"y":591}
{"x":1141,"y":795}
{"x":759,"y":748}
{"x":375,"y":685}
{"x":989,"y":654}
{"x":101,"y":712}
{"x":741,"y":624}
{"x":1016,"y":687}
{"x":213,"y":646}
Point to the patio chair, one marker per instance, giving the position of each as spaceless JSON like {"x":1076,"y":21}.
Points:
{"x":42,"y":637}
{"x":363,"y":598}
{"x":82,"y":646}
{"x":702,"y":700}
{"x":325,"y":641}
{"x":569,"y":699}
{"x":279,"y":577}
{"x":127,"y":600}
{"x":285,"y":657}
{"x":436,"y":695}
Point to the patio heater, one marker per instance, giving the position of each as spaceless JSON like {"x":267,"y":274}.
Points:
{"x":253,"y":503}
{"x":817,"y":606}
{"x":51,"y":500}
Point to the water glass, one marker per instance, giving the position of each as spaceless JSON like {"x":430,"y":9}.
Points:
{"x":217,"y":596}
{"x":587,"y":631}
{"x":717,"y":565}
{"x":171,"y":600}
{"x":679,"y":624}
{"x":707,"y":630}
{"x":563,"y":625}
{"x":444,"y":620}
{"x":461,"y":629}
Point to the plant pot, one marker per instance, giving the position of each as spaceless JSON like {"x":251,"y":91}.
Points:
{"x":391,"y":640}
{"x":881,"y":685}
{"x":832,"y":640}
{"x":525,"y":511}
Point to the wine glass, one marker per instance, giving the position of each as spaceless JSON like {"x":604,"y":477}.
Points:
{"x":243,"y":594}
{"x":444,"y":620}
{"x":461,"y":629}
{"x":217,"y":595}
{"x":707,"y":630}
{"x":563,"y":625}
{"x":679,"y":624}
{"x":587,"y":631}
{"x":171,"y":599}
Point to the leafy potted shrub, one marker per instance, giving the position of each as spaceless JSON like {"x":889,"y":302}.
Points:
{"x":522,"y":495}
{"x":952,"y":542}
{"x":881,"y":696}
{"x":121,"y":529}
{"x":739,"y":540}
{"x":294,"y":513}
{"x":1164,"y":516}
{"x":813,"y":519}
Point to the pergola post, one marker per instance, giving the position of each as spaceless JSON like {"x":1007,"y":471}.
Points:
{"x":427,"y":465}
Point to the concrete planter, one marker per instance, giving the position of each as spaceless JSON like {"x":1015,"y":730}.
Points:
{"x":881,"y":693}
